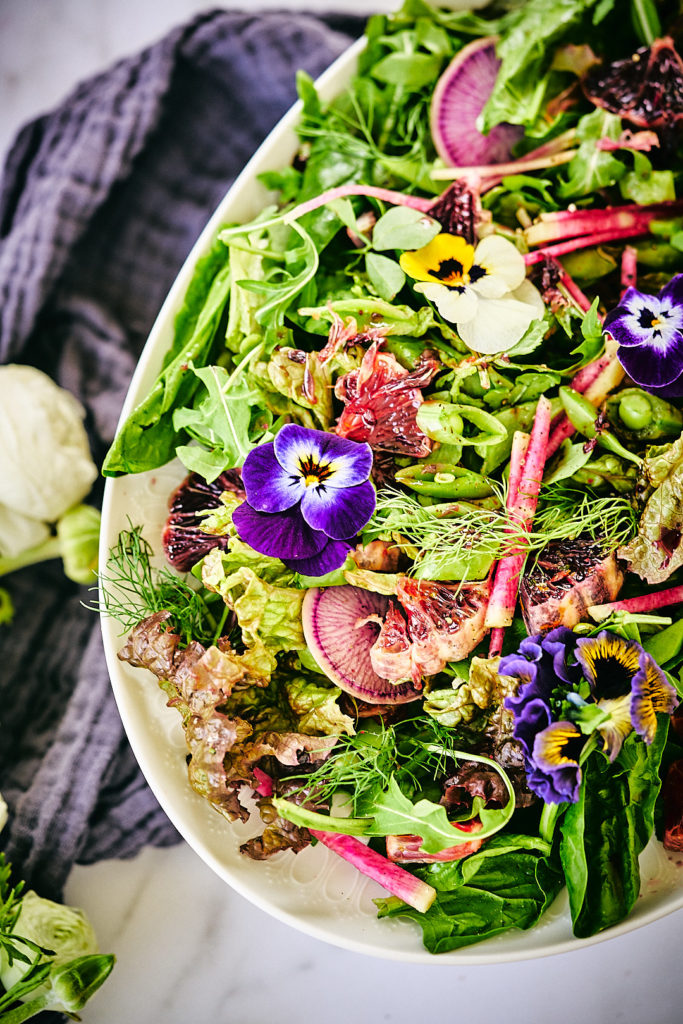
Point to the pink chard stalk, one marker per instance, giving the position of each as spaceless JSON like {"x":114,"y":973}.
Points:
{"x":393,"y":878}
{"x":643,"y":604}
{"x":522,"y":508}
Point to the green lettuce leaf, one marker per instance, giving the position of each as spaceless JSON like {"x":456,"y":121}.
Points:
{"x":304,"y":381}
{"x":264,"y":612}
{"x":315,"y":705}
{"x":465,"y":700}
{"x":656,"y":551}
{"x":528,"y":37}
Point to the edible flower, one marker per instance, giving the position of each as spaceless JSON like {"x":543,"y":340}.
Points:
{"x":649,"y":332}
{"x":626,"y":683}
{"x":482,"y":290}
{"x":546,"y":674}
{"x":571,"y":687}
{"x":307,"y":496}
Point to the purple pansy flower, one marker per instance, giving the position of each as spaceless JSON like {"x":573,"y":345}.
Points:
{"x":627,"y":692}
{"x":308,"y":496}
{"x":556,"y":753}
{"x":628,"y":684}
{"x":545,"y":669}
{"x":649,"y":332}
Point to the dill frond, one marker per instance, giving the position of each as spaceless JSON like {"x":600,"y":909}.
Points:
{"x":132,"y":589}
{"x":413,"y":751}
{"x":433,"y":533}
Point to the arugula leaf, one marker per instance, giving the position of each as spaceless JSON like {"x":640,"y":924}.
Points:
{"x":591,"y":332}
{"x":221,"y":421}
{"x":395,"y":814}
{"x":571,"y":458}
{"x":592,"y":168}
{"x":280,"y":285}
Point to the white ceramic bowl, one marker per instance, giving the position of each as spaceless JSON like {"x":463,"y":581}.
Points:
{"x":314,"y":890}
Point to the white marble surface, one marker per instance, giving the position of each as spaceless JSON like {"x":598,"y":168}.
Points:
{"x":190,"y":950}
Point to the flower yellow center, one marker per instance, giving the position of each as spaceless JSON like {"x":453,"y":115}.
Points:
{"x":447,"y":259}
{"x":561,"y":744}
{"x":313,"y":472}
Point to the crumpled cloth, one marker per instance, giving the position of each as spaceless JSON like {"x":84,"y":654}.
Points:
{"x":100,"y":202}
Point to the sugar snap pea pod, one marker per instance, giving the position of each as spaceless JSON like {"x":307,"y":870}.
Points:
{"x":517,"y":417}
{"x":445,"y":422}
{"x":476,"y":565}
{"x":441,"y":480}
{"x":637,"y":415}
{"x":582,"y":415}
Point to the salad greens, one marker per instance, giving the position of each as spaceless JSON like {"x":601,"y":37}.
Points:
{"x":432,"y":419}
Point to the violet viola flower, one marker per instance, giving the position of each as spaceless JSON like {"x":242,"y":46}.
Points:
{"x":308,"y":495}
{"x":627,"y":684}
{"x":546,"y":672}
{"x":649,"y":332}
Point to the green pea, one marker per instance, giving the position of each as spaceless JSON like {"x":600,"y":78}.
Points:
{"x":635,"y":411}
{"x":640,"y":416}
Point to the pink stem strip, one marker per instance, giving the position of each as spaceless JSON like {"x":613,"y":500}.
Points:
{"x":585,"y":242}
{"x":371,"y":191}
{"x":629,"y":268}
{"x":397,"y":880}
{"x":596,"y":390}
{"x":520,"y":446}
{"x":501,"y":608}
{"x":572,"y":223}
{"x":644,"y":603}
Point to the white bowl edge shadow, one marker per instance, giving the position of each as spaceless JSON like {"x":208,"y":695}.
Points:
{"x":342,"y":913}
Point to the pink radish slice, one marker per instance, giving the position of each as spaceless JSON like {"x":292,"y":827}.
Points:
{"x":459,"y":98}
{"x":339,"y":637}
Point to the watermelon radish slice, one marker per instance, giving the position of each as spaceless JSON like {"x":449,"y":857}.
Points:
{"x":339,"y":637}
{"x":459,"y":98}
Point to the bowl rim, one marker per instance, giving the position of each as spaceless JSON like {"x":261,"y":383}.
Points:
{"x":281,"y":137}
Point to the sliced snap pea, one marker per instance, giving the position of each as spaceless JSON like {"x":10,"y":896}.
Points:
{"x":638,"y":414}
{"x":445,"y":422}
{"x":474,"y":566}
{"x":441,"y":480}
{"x":582,"y":415}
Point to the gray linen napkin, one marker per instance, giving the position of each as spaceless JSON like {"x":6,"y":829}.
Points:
{"x":100,"y":202}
